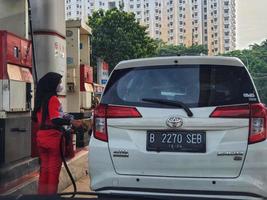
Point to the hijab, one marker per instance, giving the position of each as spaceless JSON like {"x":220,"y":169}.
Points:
{"x":46,"y":88}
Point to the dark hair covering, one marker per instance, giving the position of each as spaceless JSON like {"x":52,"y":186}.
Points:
{"x":46,"y":88}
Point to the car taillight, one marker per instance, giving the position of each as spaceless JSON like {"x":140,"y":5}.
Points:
{"x":99,"y":126}
{"x":241,"y":111}
{"x":103,"y":112}
{"x":257,"y":119}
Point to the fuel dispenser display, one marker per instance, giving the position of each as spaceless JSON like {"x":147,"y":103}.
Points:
{"x":16,"y":83}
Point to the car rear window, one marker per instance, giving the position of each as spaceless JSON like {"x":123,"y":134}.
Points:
{"x":195,"y":86}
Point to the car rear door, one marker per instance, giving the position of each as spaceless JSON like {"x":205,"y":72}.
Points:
{"x":165,"y":141}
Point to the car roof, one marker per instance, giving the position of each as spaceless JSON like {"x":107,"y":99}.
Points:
{"x":181,"y":60}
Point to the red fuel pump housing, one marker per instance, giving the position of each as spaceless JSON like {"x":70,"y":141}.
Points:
{"x":14,"y":50}
{"x":86,"y":76}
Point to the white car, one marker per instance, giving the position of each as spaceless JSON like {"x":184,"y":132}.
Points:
{"x":180,"y":127}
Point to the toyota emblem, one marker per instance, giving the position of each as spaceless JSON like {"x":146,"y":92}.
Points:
{"x":174,"y":122}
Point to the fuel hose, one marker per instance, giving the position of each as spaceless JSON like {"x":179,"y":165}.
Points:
{"x":66,"y":166}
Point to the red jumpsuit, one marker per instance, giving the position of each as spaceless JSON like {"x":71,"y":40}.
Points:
{"x":48,"y":142}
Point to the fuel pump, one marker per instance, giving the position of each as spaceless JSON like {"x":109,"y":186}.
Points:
{"x":16,"y":85}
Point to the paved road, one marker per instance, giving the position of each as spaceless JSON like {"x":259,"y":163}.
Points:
{"x":82,"y":186}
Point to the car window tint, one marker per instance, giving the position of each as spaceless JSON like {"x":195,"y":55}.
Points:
{"x":196,"y":86}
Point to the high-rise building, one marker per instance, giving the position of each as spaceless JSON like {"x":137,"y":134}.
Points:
{"x":187,"y":22}
{"x":75,"y":9}
{"x":221,"y":26}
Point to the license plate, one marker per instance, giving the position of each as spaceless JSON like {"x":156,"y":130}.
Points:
{"x":176,"y":141}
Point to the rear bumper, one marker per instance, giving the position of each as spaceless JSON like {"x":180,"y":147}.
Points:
{"x":251,"y":184}
{"x":155,"y":186}
{"x":182,"y":194}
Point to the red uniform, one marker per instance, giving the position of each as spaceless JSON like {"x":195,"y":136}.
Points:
{"x":48,"y":142}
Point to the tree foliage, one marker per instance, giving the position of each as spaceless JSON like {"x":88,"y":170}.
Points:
{"x":174,"y":50}
{"x":117,"y":36}
{"x":255,"y":60}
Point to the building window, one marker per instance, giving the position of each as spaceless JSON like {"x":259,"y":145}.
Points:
{"x":111,"y":5}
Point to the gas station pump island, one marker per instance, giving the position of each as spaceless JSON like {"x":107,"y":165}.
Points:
{"x":56,"y":45}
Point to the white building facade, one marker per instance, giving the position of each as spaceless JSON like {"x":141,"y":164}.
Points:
{"x":179,"y":22}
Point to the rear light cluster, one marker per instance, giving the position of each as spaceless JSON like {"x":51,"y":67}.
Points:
{"x":104,"y":112}
{"x":256,"y":113}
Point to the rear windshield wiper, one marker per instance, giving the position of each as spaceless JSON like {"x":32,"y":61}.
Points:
{"x":171,"y":103}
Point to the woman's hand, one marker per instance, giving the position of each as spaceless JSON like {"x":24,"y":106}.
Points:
{"x":76,"y":123}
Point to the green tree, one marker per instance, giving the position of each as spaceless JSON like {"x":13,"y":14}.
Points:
{"x":117,"y":36}
{"x":174,"y":50}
